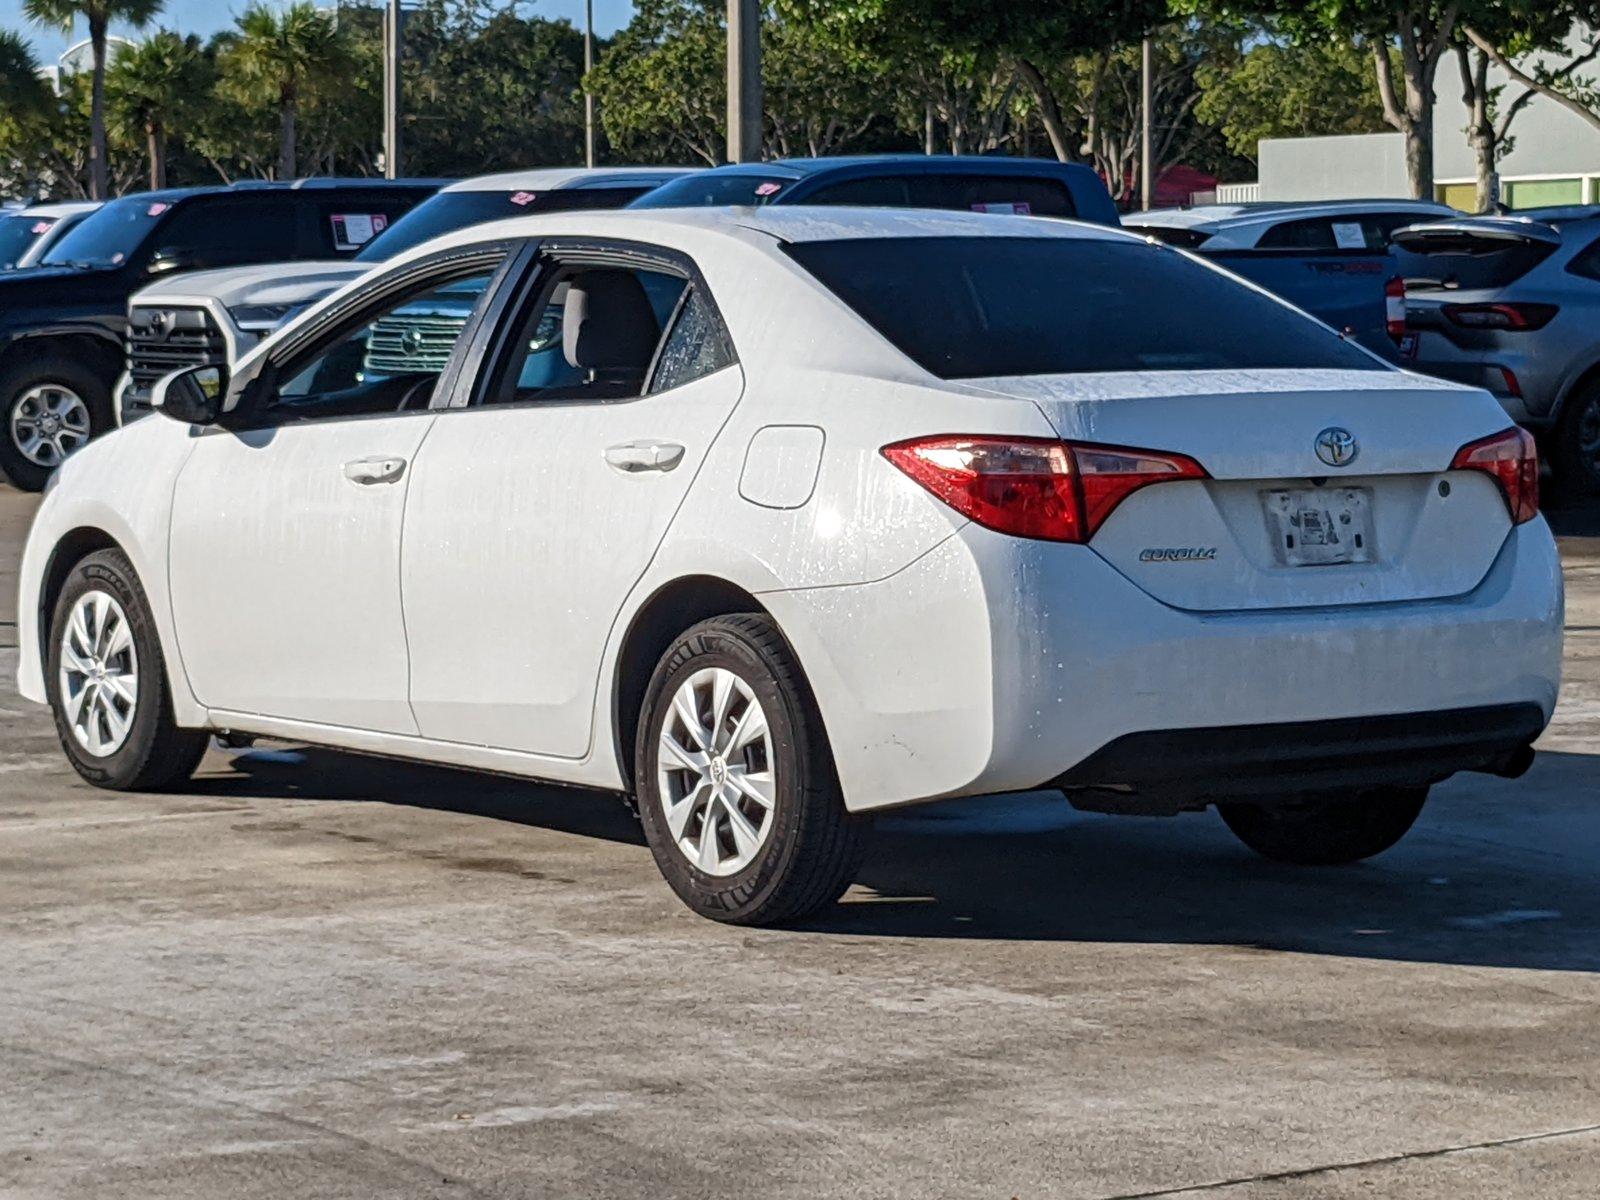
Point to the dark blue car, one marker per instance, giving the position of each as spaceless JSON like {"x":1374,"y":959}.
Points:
{"x":1027,"y":186}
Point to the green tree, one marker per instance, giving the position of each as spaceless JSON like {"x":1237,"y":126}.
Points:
{"x":281,"y":58}
{"x":22,"y":91}
{"x":153,"y":89}
{"x":1282,"y":88}
{"x":64,"y":15}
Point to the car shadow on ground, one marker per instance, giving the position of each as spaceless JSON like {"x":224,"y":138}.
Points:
{"x":1497,"y":873}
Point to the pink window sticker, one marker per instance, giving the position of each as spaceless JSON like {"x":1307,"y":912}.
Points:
{"x":1020,"y":208}
{"x":41,"y":227}
{"x":769,"y":188}
{"x":156,"y":209}
{"x":523,"y":199}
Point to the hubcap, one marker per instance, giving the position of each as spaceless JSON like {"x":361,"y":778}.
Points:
{"x":49,"y":422}
{"x":714,"y":772}
{"x":99,"y":674}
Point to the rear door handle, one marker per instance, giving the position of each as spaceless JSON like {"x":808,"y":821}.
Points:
{"x":375,"y":470}
{"x":647,"y":455}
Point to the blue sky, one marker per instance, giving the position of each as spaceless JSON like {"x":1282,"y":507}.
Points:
{"x":207,"y":16}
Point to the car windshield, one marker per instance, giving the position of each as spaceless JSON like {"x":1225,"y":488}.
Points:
{"x":713,"y":191}
{"x":970,"y":307}
{"x":18,"y":231}
{"x":110,"y":235}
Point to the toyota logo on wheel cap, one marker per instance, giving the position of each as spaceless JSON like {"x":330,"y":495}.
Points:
{"x":1336,"y":447}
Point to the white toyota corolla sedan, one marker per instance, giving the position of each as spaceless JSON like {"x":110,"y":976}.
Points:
{"x":775,"y":518}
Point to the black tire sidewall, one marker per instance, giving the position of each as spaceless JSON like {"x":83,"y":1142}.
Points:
{"x":1576,"y":475}
{"x":47,"y":368}
{"x":748,"y":890}
{"x":109,"y":571}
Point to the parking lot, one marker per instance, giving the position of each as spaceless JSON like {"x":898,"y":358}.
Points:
{"x":315,"y":974}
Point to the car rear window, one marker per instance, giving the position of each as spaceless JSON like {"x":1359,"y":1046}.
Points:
{"x":1469,"y":263}
{"x":970,"y":307}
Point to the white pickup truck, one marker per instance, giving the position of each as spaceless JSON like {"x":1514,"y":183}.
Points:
{"x":215,"y":316}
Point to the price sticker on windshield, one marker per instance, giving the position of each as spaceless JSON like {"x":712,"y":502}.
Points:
{"x":351,"y":231}
{"x":1005,"y":208}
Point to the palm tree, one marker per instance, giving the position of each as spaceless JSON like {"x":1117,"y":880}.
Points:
{"x":278,"y":54}
{"x":152,"y":87}
{"x":22,"y":91}
{"x":63,"y":15}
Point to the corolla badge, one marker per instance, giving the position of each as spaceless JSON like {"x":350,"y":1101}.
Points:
{"x":1336,"y":447}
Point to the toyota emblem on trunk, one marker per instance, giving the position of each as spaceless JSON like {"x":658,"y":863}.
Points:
{"x":1336,"y":447}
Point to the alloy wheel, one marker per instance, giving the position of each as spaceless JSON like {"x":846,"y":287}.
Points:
{"x":99,"y":675}
{"x":48,"y":422}
{"x":714,"y":770}
{"x":1589,"y":436}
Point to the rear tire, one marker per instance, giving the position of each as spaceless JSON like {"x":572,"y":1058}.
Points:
{"x":735,"y":782}
{"x":107,"y":682}
{"x":1577,"y":445}
{"x":50,"y":406}
{"x":1328,"y":833}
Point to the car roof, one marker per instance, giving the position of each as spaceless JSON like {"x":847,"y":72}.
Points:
{"x":549,"y":179}
{"x":316,"y":184}
{"x":800,"y":223}
{"x":64,"y":208}
{"x":805,"y":168}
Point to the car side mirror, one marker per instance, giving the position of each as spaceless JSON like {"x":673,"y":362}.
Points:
{"x":193,"y":396}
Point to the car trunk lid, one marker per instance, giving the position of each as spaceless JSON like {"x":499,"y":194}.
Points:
{"x":1275,"y":525}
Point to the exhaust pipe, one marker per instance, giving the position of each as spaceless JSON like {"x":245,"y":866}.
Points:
{"x":1512,"y":765}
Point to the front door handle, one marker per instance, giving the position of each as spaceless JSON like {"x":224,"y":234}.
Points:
{"x":647,"y":455}
{"x":375,"y":470}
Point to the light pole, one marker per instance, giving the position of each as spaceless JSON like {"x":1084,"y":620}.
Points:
{"x":1146,"y":156}
{"x":391,"y":90}
{"x":588,"y":96}
{"x":744,"y":80}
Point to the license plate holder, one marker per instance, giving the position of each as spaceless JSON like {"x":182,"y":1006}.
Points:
{"x":1320,"y":527}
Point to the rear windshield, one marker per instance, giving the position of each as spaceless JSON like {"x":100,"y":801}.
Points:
{"x":110,"y":235}
{"x":1469,"y":263}
{"x":714,"y":191}
{"x":18,"y":231}
{"x":445,"y":212}
{"x":969,"y":307}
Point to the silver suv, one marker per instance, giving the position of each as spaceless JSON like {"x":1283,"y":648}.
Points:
{"x":1512,"y":304}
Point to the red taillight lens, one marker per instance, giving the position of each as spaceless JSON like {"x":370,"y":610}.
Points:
{"x":1514,"y":462}
{"x":1394,"y":308}
{"x":1035,"y":487}
{"x":1515,"y":318}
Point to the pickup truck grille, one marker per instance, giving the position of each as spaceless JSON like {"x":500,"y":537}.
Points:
{"x":163,"y":340}
{"x":403,"y":342}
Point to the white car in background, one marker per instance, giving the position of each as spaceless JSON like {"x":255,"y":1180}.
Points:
{"x":26,"y":233}
{"x":777,"y":518}
{"x":215,"y":316}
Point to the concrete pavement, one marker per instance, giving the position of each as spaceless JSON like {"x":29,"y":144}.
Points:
{"x":317,"y":975}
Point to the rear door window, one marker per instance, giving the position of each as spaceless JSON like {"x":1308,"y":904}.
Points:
{"x":338,"y":227}
{"x":1014,"y":194}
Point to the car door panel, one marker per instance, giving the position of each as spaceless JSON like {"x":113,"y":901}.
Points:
{"x":527,"y":527}
{"x":284,"y":568}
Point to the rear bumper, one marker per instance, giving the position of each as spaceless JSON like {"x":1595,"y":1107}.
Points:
{"x":995,"y":664}
{"x":1173,"y":769}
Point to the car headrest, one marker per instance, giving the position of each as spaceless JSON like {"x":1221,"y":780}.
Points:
{"x":608,"y":324}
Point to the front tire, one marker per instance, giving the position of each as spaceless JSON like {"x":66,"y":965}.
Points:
{"x":1330,"y":832}
{"x":108,"y":682}
{"x":49,"y":407}
{"x":735,"y":782}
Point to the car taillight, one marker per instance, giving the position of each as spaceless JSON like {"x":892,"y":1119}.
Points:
{"x":1513,"y":461}
{"x":1035,"y":487}
{"x":1513,"y":317}
{"x":1394,"y":308}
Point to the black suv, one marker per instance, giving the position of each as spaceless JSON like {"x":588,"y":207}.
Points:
{"x":62,"y":323}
